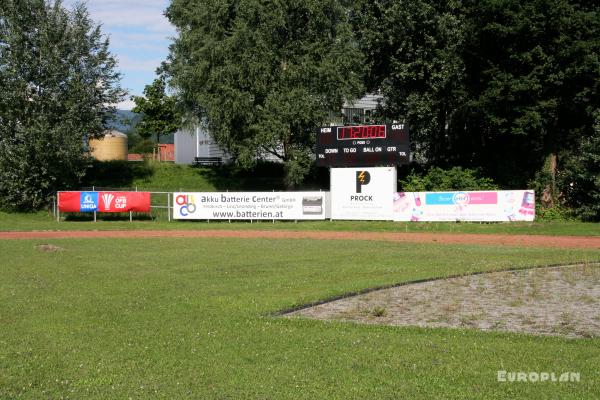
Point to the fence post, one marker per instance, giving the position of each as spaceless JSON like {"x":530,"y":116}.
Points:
{"x":169,"y":206}
{"x":93,"y":190}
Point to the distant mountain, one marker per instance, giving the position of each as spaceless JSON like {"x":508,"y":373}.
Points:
{"x":124,"y":121}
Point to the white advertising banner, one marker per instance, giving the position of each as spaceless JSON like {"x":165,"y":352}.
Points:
{"x":362,"y":193}
{"x":250,"y":205}
{"x":506,"y":205}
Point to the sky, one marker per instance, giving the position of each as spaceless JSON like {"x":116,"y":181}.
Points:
{"x":139,"y":38}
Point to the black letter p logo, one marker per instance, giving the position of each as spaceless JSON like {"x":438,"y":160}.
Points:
{"x":362,"y":178}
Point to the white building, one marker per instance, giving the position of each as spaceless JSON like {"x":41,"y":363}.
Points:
{"x":196,"y":142}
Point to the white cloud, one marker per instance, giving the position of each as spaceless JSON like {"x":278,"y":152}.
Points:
{"x":145,"y":14}
{"x":130,"y":64}
{"x":139,"y":36}
{"x":125,"y":105}
{"x":154,"y":42}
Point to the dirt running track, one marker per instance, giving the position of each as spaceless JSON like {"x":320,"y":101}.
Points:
{"x":582,"y":242}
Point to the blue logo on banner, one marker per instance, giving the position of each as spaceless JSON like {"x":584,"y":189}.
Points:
{"x":439,"y":199}
{"x":88,"y":201}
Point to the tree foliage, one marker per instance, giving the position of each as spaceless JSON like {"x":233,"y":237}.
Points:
{"x":533,"y":78}
{"x":264,"y":74}
{"x":501,"y":85}
{"x":438,"y":179}
{"x":57,"y":87}
{"x":413,"y":48}
{"x":580,"y":177}
{"x":497,"y":84}
{"x":158,"y":110}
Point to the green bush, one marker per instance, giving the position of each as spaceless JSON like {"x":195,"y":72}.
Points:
{"x":144,"y":146}
{"x":556,"y":213}
{"x":116,"y":173}
{"x":578,"y":178}
{"x":438,"y":179}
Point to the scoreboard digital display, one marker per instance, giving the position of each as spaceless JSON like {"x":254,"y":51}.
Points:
{"x":361,"y":132}
{"x":362,"y":145}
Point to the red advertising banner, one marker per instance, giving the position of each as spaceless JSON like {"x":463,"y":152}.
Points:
{"x":123,"y":201}
{"x":104,"y":201}
{"x":69,"y":201}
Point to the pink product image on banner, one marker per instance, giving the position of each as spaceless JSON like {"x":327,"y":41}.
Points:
{"x":528,"y":204}
{"x":483,"y":197}
{"x":401,"y":202}
{"x":417,"y":197}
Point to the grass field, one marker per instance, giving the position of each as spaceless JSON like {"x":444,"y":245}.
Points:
{"x":45,"y":221}
{"x":193,"y":318}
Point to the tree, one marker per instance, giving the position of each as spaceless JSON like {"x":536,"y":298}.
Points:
{"x":502,"y":85}
{"x":264,"y":74}
{"x":158,"y":111}
{"x":57,"y":89}
{"x":533,"y":73}
{"x":413,"y":48}
{"x":579,"y":177}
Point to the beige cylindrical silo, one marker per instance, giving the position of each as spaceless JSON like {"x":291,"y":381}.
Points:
{"x":113,"y":146}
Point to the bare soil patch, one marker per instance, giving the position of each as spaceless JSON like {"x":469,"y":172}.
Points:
{"x":582,"y":242}
{"x":563,"y":301}
{"x":48,"y":248}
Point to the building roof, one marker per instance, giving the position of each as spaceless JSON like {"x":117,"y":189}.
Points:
{"x":114,"y":133}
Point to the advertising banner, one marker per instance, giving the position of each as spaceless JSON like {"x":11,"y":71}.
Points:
{"x":124,"y":201}
{"x":250,"y":205}
{"x":362,"y":193}
{"x":104,"y":201}
{"x":506,"y":205}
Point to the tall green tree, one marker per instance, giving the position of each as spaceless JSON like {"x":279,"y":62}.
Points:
{"x":159,"y":114}
{"x":413,"y":49}
{"x":579,"y":176}
{"x":533,"y":82}
{"x":57,"y":86}
{"x":264,"y":74}
{"x":504,"y":85}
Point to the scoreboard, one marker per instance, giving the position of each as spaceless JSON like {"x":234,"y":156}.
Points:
{"x":362,"y":145}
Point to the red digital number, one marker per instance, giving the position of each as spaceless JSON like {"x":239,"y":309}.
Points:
{"x":361,"y":132}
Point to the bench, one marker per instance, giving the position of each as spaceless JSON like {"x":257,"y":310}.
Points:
{"x":207,"y":161}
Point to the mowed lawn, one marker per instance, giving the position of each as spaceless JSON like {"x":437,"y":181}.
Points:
{"x":106,"y":221}
{"x":193,"y":318}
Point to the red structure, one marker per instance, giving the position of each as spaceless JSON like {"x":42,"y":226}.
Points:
{"x":166,"y":152}
{"x":161,"y":152}
{"x":135,"y":157}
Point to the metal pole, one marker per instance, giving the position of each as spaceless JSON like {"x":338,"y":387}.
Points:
{"x":130,"y":216}
{"x":94,"y":216}
{"x":169,"y":206}
{"x":197,"y":141}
